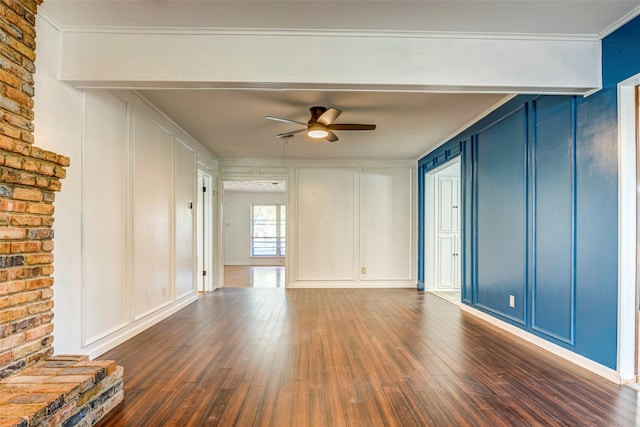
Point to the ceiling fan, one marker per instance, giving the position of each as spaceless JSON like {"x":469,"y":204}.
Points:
{"x":321,"y":125}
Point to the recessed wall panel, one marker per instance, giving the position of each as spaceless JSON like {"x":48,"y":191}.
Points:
{"x":385,"y":223}
{"x":185,"y":207}
{"x":152,"y":212}
{"x":104,"y":212}
{"x":553,"y":290}
{"x":502,"y":216}
{"x":325,"y":222}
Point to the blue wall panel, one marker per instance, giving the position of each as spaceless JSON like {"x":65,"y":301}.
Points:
{"x":502,"y":215}
{"x":548,"y":234}
{"x":552,"y":278}
{"x":597,"y":227}
{"x":540,"y":218}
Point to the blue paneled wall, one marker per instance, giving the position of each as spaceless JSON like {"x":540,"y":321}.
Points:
{"x":540,"y":210}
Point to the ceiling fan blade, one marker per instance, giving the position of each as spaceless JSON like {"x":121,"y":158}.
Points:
{"x":329,"y":116}
{"x":293,"y":132}
{"x":351,"y":126}
{"x":331,"y":137}
{"x":278,"y":119}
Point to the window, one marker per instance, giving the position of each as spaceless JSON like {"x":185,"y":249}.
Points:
{"x":268,"y":230}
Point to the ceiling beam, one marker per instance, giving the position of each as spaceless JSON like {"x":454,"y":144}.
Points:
{"x":325,"y":60}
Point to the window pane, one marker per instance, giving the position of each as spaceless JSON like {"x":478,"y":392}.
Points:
{"x":267,"y":230}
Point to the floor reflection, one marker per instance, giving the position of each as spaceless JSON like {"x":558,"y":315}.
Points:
{"x":451,"y":296}
{"x":245,"y":276}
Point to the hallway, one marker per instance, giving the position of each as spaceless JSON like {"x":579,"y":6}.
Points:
{"x":350,"y":357}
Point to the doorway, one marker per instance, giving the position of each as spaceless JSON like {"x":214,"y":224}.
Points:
{"x":254,"y":217}
{"x":442,"y":231}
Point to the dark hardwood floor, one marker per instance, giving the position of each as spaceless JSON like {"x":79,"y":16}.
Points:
{"x":346,"y":357}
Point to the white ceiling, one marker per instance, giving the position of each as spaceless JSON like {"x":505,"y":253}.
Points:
{"x":231,"y":123}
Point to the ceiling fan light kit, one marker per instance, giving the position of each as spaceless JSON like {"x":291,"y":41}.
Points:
{"x":316,"y":130}
{"x":321,"y":125}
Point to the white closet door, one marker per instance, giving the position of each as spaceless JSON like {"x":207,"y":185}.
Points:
{"x":448,"y":233}
{"x":446,"y":264}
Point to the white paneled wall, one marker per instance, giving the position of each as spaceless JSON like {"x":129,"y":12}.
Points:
{"x":104,"y":231}
{"x":325,"y":224}
{"x":152,"y":213}
{"x":185,"y":213}
{"x":351,"y":223}
{"x":386,"y":226}
{"x":124,"y":229}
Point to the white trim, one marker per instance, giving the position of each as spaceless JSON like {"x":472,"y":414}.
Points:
{"x":620,"y":22}
{"x":50,"y":19}
{"x":562,"y":352}
{"x":627,"y":250}
{"x":301,"y":32}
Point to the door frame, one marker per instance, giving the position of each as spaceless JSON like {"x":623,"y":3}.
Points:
{"x":430,"y":227}
{"x":220,"y":259}
{"x":628,"y":183}
{"x":442,"y":155}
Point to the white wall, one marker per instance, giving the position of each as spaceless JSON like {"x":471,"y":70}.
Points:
{"x":124,"y":232}
{"x":237,"y":226}
{"x":350,"y":223}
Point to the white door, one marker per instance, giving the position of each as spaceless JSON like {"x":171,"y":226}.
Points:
{"x":448,"y":232}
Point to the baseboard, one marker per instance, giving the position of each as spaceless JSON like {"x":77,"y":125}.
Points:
{"x":562,"y":352}
{"x":101,"y":347}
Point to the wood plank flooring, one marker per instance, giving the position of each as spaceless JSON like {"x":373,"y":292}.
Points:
{"x":347,"y":357}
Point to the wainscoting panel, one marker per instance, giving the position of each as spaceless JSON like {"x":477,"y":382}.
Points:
{"x":185,"y":211}
{"x":152,"y":211}
{"x":553,"y":268}
{"x":502,"y":216}
{"x":104,"y":212}
{"x":385,"y":224}
{"x":325,"y":222}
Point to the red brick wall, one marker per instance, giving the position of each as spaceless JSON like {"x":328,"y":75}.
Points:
{"x":29,"y":177}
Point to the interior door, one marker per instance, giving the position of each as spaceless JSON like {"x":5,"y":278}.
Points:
{"x":448,"y":229}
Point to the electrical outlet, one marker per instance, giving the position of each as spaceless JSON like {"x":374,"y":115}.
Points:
{"x":164,"y":291}
{"x":512,"y":300}
{"x":364,"y":270}
{"x":147,"y":296}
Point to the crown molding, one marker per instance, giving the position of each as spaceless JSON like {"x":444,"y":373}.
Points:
{"x":276,"y":32}
{"x":619,"y":23}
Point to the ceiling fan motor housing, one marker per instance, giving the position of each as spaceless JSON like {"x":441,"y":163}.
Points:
{"x":316,"y":112}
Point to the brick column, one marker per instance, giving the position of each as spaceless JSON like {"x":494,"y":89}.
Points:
{"x":29,"y":176}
